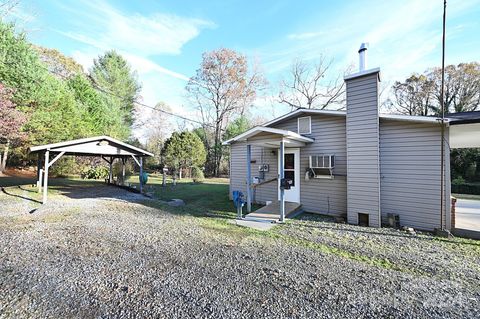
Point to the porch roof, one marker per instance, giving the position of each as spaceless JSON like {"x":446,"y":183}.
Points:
{"x":270,"y":137}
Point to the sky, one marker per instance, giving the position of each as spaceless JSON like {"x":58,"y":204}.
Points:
{"x":164,"y":40}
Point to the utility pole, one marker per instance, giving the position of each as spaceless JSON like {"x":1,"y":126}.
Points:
{"x":442,"y":105}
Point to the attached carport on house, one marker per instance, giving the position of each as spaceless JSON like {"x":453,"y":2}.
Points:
{"x":104,"y":146}
{"x":465,"y":133}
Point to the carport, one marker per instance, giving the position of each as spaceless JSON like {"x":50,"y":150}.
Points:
{"x":465,"y":133}
{"x":109,"y":149}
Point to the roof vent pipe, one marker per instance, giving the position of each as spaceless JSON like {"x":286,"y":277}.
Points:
{"x":362,"y":55}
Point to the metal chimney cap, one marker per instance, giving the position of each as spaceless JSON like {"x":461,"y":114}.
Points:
{"x":364,"y":46}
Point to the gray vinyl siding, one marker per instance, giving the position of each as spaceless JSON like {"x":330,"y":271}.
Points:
{"x":323,"y":196}
{"x":238,"y":171}
{"x":363,"y":160}
{"x":410,"y":173}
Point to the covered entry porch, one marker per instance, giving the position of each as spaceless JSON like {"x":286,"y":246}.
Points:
{"x":286,"y":145}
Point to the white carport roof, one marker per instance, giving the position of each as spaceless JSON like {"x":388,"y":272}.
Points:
{"x":93,"y":146}
{"x":465,"y":135}
{"x":464,"y":129}
{"x":272,"y":138}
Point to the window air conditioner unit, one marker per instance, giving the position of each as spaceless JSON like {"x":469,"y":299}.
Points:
{"x":322,"y":161}
{"x":321,"y":166}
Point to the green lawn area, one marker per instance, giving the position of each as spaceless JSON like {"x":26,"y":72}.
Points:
{"x":209,"y":195}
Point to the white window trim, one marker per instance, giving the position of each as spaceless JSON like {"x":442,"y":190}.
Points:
{"x":309,"y":126}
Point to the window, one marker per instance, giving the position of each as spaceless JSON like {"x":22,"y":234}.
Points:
{"x":305,"y":125}
{"x":289,"y":170}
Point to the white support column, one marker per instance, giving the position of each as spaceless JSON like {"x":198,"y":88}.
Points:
{"x":249,"y":178}
{"x":39,"y":173}
{"x":110,"y":170}
{"x":45,"y":177}
{"x":282,"y":176}
{"x":123,"y":171}
{"x":39,"y":182}
{"x":141,"y":174}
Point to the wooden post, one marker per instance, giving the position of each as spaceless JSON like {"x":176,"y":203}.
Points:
{"x":282,"y":176}
{"x":123,"y":171}
{"x":39,"y":172}
{"x":164,"y":177}
{"x":141,"y":174}
{"x":45,"y":177}
{"x":110,"y":172}
{"x":249,"y":178}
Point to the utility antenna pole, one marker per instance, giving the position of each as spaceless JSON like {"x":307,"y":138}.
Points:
{"x":442,"y":105}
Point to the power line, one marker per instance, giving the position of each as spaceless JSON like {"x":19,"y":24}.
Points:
{"x":97,"y":87}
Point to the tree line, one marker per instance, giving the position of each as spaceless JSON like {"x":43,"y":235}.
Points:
{"x":46,"y":97}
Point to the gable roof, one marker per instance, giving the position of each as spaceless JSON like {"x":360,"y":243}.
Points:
{"x":93,"y":146}
{"x":399,"y":117}
{"x":262,"y":129}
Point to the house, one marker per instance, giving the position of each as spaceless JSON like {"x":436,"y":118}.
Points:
{"x":359,"y":164}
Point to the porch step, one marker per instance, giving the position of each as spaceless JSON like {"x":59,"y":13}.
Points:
{"x":271,"y":212}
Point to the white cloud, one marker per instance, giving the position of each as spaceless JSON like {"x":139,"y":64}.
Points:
{"x":138,"y":38}
{"x":105,"y":27}
{"x":404,"y":37}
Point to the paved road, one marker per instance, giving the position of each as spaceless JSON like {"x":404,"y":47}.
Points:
{"x":467,"y":214}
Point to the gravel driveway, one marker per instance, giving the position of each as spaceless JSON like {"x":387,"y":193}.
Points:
{"x":106,"y":253}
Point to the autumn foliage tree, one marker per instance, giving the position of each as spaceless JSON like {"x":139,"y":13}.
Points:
{"x":11,"y":121}
{"x":224,"y":87}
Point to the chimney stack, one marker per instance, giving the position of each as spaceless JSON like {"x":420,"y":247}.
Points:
{"x":363,"y":144}
{"x":362,"y":55}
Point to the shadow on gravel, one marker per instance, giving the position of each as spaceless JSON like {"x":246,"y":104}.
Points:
{"x":22,"y":187}
{"x":20,"y":196}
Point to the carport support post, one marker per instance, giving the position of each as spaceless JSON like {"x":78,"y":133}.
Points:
{"x":282,"y":176}
{"x":123,"y":171}
{"x":249,"y":178}
{"x":110,"y":172}
{"x":45,"y":177}
{"x":141,"y":174}
{"x":39,"y":172}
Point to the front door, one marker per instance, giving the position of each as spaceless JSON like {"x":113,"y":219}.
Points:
{"x":292,"y":172}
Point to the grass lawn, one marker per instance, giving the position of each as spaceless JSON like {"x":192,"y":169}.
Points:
{"x":210,"y":194}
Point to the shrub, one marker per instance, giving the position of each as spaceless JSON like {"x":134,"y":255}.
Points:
{"x":98,"y":172}
{"x":197,"y":174}
{"x":458,"y":181}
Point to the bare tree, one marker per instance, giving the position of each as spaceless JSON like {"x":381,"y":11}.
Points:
{"x":413,"y":97}
{"x":462,"y":87}
{"x":307,"y":86}
{"x":158,"y":127}
{"x":224,"y":86}
{"x":7,"y":7}
{"x":420,"y":94}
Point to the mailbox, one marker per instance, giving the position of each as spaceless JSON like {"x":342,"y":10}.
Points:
{"x":285,"y":183}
